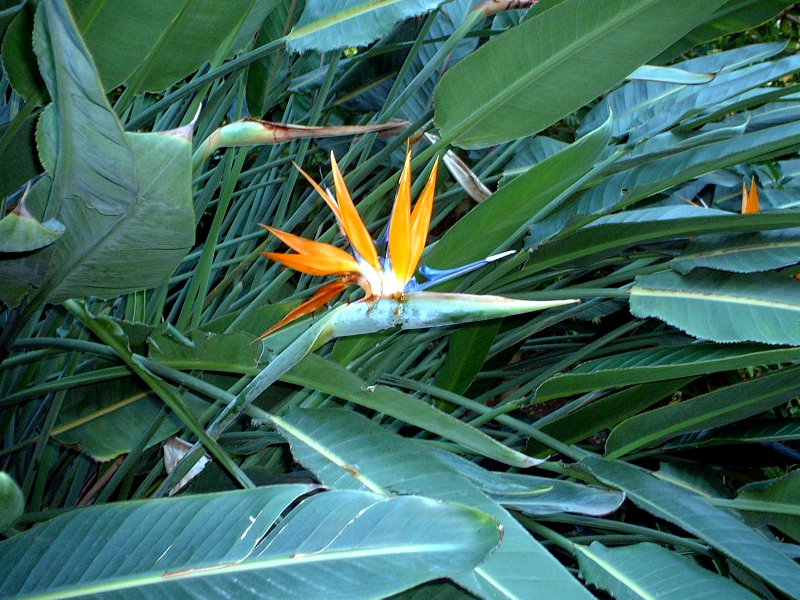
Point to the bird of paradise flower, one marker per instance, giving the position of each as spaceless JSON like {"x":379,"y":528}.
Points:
{"x":391,"y":276}
{"x":393,"y":298}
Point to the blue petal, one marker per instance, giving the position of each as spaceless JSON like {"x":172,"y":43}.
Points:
{"x":435,"y":276}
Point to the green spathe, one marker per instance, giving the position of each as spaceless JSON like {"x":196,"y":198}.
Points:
{"x":401,"y":311}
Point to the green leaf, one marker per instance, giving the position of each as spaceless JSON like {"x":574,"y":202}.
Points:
{"x":347,"y":451}
{"x":783,"y":490}
{"x":124,"y":199}
{"x":664,"y":113}
{"x":467,"y":348}
{"x":229,"y":352}
{"x":19,"y":62}
{"x":168,"y":40}
{"x":631,"y":100}
{"x":720,"y":407}
{"x":268,"y":77}
{"x":20,"y":273}
{"x":658,"y":364}
{"x":270,"y":541}
{"x":661,"y":173}
{"x":22,"y":232}
{"x":46,"y":136}
{"x":753,"y":431}
{"x":605,"y":412}
{"x":94,"y":160}
{"x":717,"y":527}
{"x":18,"y":162}
{"x":107,"y":419}
{"x":327,"y":25}
{"x":326,"y":376}
{"x":649,"y":571}
{"x":106,"y":255}
{"x":12,"y":502}
{"x":722,"y":307}
{"x":536,"y":495}
{"x":741,"y":253}
{"x":554,"y":63}
{"x":649,"y":225}
{"x":732,"y":17}
{"x":506,"y":213}
{"x":8,"y":9}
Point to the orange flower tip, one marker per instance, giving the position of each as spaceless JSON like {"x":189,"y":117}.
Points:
{"x":750,"y":203}
{"x":321,"y":297}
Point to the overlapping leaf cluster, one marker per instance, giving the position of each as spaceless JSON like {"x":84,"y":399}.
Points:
{"x":604,"y":142}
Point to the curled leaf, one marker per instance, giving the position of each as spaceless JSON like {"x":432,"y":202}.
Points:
{"x":255,"y":132}
{"x":20,"y":231}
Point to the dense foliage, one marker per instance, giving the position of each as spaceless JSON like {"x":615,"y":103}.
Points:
{"x":639,"y":443}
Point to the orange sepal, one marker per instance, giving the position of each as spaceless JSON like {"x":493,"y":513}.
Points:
{"x":354,"y":227}
{"x":750,"y":202}
{"x":312,"y":265}
{"x":321,"y":297}
{"x":315,"y":258}
{"x":325,"y":196}
{"x":400,"y":226}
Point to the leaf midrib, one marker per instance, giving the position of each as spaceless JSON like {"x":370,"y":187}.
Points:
{"x":691,"y":422}
{"x":155,"y":577}
{"x":714,"y":297}
{"x":545,"y":67}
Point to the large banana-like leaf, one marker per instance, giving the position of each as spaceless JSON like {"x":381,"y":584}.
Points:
{"x":650,"y":225}
{"x":723,"y":307}
{"x":124,"y":198}
{"x":328,"y":25}
{"x":168,"y":39}
{"x":721,"y":407}
{"x":782,"y":490}
{"x":605,"y":412}
{"x":658,"y":116}
{"x":347,"y":451}
{"x":107,"y":419}
{"x":632,"y":102}
{"x":693,"y":513}
{"x":649,"y":571}
{"x":235,"y":353}
{"x":328,"y":377}
{"x":659,"y":364}
{"x":536,"y":495}
{"x":733,"y":16}
{"x":269,"y":542}
{"x":529,"y":77}
{"x":741,"y":253}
